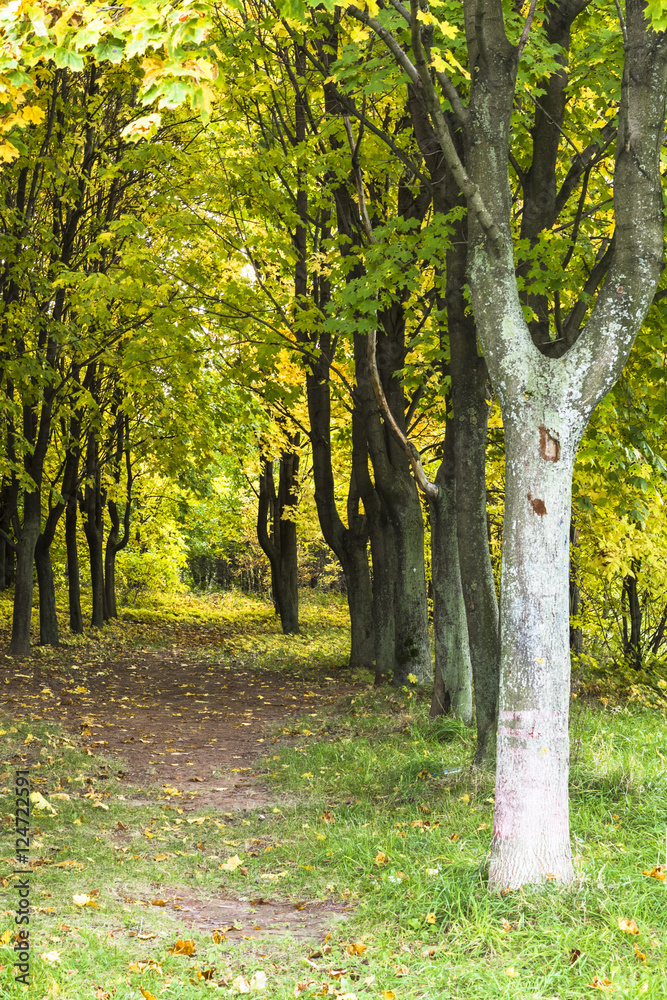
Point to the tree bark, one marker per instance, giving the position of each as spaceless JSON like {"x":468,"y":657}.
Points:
{"x":92,"y":508}
{"x":452,"y":687}
{"x":23,"y":582}
{"x":576,"y":634}
{"x":73,"y":581}
{"x":280,"y":546}
{"x":48,"y":619}
{"x":632,"y":645}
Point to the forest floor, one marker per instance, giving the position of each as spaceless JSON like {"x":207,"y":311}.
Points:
{"x":231,"y":810}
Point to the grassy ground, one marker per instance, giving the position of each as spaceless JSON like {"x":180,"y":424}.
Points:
{"x":369,"y":814}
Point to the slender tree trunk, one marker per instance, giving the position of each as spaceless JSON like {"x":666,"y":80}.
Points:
{"x":48,"y":619}
{"x":280,"y":546}
{"x":73,"y":581}
{"x":452,"y":686}
{"x":633,"y":648}
{"x":471,"y":409}
{"x":23,"y":584}
{"x":576,"y":634}
{"x":110,"y":562}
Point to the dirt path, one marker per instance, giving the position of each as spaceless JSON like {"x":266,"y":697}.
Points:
{"x":174,"y":722}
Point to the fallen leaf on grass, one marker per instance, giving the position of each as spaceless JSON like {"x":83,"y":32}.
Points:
{"x":258,"y":980}
{"x":356,"y":948}
{"x":147,"y":936}
{"x":81,"y":899}
{"x":147,"y":994}
{"x":40,"y":802}
{"x":627,"y":926}
{"x":302,"y":987}
{"x":601,"y":984}
{"x":151,"y":966}
{"x":429,"y":952}
{"x":381,"y":858}
{"x":328,"y":817}
{"x":431,"y":918}
{"x":218,"y":937}
{"x":574,"y":955}
{"x":101,"y":994}
{"x":51,"y":957}
{"x":388,"y":995}
{"x":658,"y":871}
{"x":640,"y":954}
{"x":241,"y":985}
{"x":511,"y":972}
{"x":506,"y":924}
{"x":273,"y":875}
{"x":401,"y":970}
{"x":183,"y":948}
{"x":120,"y":826}
{"x":158,"y":902}
{"x":231,"y":864}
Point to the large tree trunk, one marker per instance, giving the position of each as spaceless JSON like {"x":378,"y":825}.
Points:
{"x":531,"y":829}
{"x":452,"y":685}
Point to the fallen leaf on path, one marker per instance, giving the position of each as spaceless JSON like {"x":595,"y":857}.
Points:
{"x":158,"y":902}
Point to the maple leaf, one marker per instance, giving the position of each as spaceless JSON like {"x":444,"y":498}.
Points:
{"x":381,"y":858}
{"x":658,"y":871}
{"x":627,"y":926}
{"x":356,"y":948}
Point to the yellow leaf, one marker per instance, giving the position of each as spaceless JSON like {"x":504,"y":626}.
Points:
{"x":231,"y":864}
{"x":381,"y":858}
{"x":511,"y":972}
{"x":656,"y":872}
{"x":506,"y":924}
{"x":640,"y":954}
{"x":5,"y":937}
{"x":465,"y":799}
{"x":430,"y":918}
{"x":241,"y":985}
{"x":147,"y":994}
{"x":258,"y":980}
{"x":51,"y":957}
{"x":627,"y":926}
{"x":388,"y":995}
{"x":183,"y":948}
{"x":602,"y":984}
{"x":356,"y":948}
{"x":308,"y":774}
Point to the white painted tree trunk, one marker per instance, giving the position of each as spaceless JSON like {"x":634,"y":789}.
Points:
{"x":531,"y":840}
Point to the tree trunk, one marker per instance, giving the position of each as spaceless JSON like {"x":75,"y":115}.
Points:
{"x":350,"y":544}
{"x":471,"y":410}
{"x":93,"y":526}
{"x":576,"y":634}
{"x":452,"y":687}
{"x":73,"y":581}
{"x":110,"y":562}
{"x":633,"y":648}
{"x":48,"y":619}
{"x":23,"y":584}
{"x":531,"y":830}
{"x":280,"y":546}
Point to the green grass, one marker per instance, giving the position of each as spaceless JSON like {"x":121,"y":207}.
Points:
{"x":364,"y":817}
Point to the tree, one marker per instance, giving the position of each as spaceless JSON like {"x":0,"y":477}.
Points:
{"x":547,"y":396}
